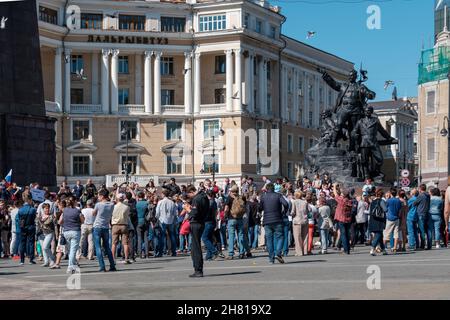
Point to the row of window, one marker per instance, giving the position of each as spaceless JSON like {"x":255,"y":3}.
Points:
{"x":82,"y":130}
{"x":259,"y":26}
{"x":301,"y":144}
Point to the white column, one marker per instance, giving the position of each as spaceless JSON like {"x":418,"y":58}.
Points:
{"x":58,"y":77}
{"x":105,"y":81}
{"x":197,"y":84}
{"x":229,"y":80}
{"x":188,"y":82}
{"x":138,"y":79}
{"x":115,"y":81}
{"x":157,"y":76}
{"x":67,"y":59}
{"x":247,"y":92}
{"x":94,"y":77}
{"x":261,"y":99}
{"x":238,"y":79}
{"x":148,"y":103}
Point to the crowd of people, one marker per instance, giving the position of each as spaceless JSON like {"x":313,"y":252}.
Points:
{"x":211,"y":221}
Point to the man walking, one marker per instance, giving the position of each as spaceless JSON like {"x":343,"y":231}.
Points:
{"x":103,"y":212}
{"x":392,"y":222}
{"x":25,"y":222}
{"x":198,"y":211}
{"x":273,"y":205}
{"x":166,"y":213}
{"x":119,"y":226}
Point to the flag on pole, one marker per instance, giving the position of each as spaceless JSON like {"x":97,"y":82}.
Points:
{"x":8,"y":177}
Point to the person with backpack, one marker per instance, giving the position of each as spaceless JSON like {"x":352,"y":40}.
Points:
{"x":26,"y":227}
{"x":343,"y":216}
{"x":235,"y":208}
{"x":273,"y":204}
{"x":377,"y":222}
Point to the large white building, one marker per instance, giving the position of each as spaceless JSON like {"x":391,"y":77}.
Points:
{"x":175,"y":73}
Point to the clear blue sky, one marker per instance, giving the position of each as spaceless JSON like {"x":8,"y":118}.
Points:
{"x":391,"y":53}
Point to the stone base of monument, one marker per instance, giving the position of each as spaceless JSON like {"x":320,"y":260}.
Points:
{"x":28,"y":148}
{"x":338,"y":163}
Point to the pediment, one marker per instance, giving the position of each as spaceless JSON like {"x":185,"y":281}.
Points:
{"x":208,"y":146}
{"x":82,"y":147}
{"x":132,"y":148}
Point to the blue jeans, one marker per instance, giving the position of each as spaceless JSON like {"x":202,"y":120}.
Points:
{"x":413,"y":236}
{"x":434,"y":224}
{"x":253,"y":236}
{"x":223,"y":234}
{"x":73,"y":240}
{"x":236,"y":225}
{"x":421,"y":225}
{"x":274,"y":239}
{"x":378,"y":240}
{"x":183,"y":240}
{"x":324,"y":239}
{"x":101,"y":236}
{"x":46,"y":241}
{"x":207,"y":239}
{"x":27,"y":236}
{"x":158,"y":241}
{"x":286,"y":233}
{"x":171,"y":228}
{"x":345,"y":235}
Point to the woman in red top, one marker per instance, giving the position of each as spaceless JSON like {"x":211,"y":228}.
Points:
{"x":343,"y":216}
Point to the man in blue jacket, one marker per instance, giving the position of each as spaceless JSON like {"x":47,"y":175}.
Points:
{"x":422,"y":204}
{"x":26,"y":228}
{"x":273,"y":204}
{"x":411,"y":221}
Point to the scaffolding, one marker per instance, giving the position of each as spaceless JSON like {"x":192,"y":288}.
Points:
{"x":434,"y":64}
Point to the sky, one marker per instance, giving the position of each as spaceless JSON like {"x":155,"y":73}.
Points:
{"x":390,"y":53}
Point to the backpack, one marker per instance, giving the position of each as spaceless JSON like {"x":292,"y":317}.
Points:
{"x":238,"y":208}
{"x":378,"y":212}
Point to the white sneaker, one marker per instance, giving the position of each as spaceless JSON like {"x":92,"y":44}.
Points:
{"x":438,"y":246}
{"x":372,"y":252}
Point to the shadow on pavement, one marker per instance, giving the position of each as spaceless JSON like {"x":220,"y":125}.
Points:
{"x":231,"y":273}
{"x":10,"y":273}
{"x":304,"y":261}
{"x":119,"y":270}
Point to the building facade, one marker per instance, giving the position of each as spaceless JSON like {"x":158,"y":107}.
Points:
{"x":434,"y":103}
{"x":174,"y":88}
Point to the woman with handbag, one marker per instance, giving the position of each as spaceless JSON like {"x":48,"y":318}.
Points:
{"x":377,"y":222}
{"x":185,"y":239}
{"x":46,"y":223}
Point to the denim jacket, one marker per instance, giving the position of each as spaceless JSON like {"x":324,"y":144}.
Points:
{"x":436,"y":205}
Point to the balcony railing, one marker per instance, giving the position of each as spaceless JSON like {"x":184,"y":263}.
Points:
{"x":51,"y":106}
{"x":86,"y":108}
{"x":212,"y":108}
{"x":172,"y":109}
{"x":131,"y":108}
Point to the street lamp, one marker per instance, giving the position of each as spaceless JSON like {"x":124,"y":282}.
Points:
{"x":125,"y":132}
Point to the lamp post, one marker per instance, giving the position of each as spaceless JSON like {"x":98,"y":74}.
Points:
{"x":444,"y":132}
{"x":125,"y":131}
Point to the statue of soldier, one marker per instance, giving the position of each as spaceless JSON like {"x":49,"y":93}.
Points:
{"x":350,"y":104}
{"x":366,"y":131}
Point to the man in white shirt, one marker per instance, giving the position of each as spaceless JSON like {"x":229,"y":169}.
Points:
{"x":86,"y":230}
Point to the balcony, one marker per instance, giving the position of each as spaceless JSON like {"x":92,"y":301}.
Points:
{"x":86,"y":108}
{"x":51,"y":106}
{"x":131,"y":109}
{"x":212,"y":108}
{"x":172,"y":109}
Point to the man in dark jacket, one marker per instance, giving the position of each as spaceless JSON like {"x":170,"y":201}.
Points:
{"x":25,"y":224}
{"x":197,"y":215}
{"x":422,"y":204}
{"x":172,"y":187}
{"x":210,"y":224}
{"x":273,"y":204}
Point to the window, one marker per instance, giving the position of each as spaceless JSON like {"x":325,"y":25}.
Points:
{"x":123,"y":95}
{"x":290,"y":170}
{"x":268,"y":69}
{"x":48,"y":15}
{"x":258,"y":27}
{"x":173,"y":24}
{"x":246,"y":20}
{"x":210,"y":129}
{"x":173,"y":130}
{"x":130,"y":163}
{"x":320,"y":95}
{"x":290,"y":143}
{"x":219,"y":95}
{"x":300,"y":87}
{"x":81,"y":130}
{"x":255,"y":67}
{"x":91,"y":21}
{"x":289,"y":85}
{"x":330,"y":97}
{"x":300,"y":115}
{"x":76,"y":63}
{"x":213,"y":22}
{"x":211,"y":163}
{"x":431,"y":149}
{"x":431,"y":96}
{"x":127,"y":22}
{"x":132,"y":126}
{"x":269,"y":103}
{"x":311,"y":142}
{"x":166,"y":66}
{"x":167,"y":97}
{"x":123,"y":64}
{"x":311,"y":92}
{"x":173,"y":165}
{"x":310,"y":120}
{"x":301,"y":144}
{"x":81,"y":165}
{"x":220,"y":64}
{"x":76,"y":96}
{"x":273,"y":32}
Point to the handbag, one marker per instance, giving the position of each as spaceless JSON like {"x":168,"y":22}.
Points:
{"x":185,"y":228}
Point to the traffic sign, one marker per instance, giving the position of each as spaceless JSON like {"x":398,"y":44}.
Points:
{"x":406,"y":189}
{"x":405,"y":173}
{"x":405,"y":182}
